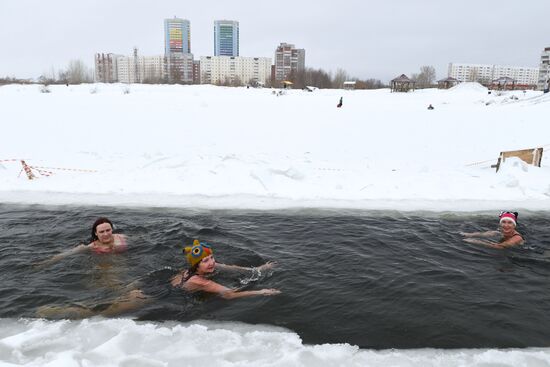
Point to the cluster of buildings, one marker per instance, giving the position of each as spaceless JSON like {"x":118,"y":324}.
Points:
{"x":178,"y":64}
{"x":522,"y":77}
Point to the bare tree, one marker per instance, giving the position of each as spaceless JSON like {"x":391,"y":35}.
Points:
{"x":426,"y":77}
{"x":236,"y":82}
{"x":317,"y":78}
{"x":369,"y":84}
{"x":77,"y":72}
{"x":474,"y":75}
{"x":339,"y":78}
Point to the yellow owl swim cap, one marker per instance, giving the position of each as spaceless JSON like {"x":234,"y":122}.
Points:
{"x":197,"y":252}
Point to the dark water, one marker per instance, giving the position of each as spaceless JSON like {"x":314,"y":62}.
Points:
{"x":374,"y":279}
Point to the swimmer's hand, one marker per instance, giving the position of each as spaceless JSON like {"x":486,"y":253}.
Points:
{"x":267,"y":266}
{"x":269,"y":292}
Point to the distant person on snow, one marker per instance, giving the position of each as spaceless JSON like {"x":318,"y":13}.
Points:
{"x":102,"y":241}
{"x":509,"y":236}
{"x":430,"y":107}
{"x":341,"y":102}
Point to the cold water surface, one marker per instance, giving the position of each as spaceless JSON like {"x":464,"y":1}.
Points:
{"x":374,"y":279}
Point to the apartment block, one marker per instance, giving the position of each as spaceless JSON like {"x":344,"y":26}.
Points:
{"x":140,"y":69}
{"x":485,"y":74}
{"x":289,"y":60}
{"x":544,"y":70}
{"x":230,"y":70}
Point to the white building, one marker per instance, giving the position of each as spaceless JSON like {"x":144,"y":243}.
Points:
{"x":544,"y":70}
{"x":229,"y":70}
{"x":147,"y":69}
{"x":487,"y":73}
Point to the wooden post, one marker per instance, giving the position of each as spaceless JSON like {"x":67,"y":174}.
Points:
{"x":28,"y":170}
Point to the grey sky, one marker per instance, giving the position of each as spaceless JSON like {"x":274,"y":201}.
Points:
{"x":369,"y":39}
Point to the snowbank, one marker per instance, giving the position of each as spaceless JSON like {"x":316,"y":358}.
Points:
{"x":123,"y":342}
{"x":206,"y":146}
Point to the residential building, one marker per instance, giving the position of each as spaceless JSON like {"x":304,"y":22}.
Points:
{"x":226,"y":38}
{"x":196,"y":72}
{"x":177,"y":36}
{"x":177,"y":50}
{"x":289,"y":61}
{"x":179,"y":68}
{"x":230,"y":70}
{"x":485,"y":74}
{"x":106,"y":69}
{"x":140,"y":69}
{"x":544,"y":70}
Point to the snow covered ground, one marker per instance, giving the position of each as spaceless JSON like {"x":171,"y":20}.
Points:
{"x":213,"y":147}
{"x":216,"y":147}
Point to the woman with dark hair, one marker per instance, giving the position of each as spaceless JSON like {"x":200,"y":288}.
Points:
{"x":197,"y":278}
{"x":509,"y":237}
{"x":102,"y":241}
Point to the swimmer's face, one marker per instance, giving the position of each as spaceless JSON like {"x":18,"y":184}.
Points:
{"x":207,"y":265}
{"x":104,"y":232}
{"x":507,"y":225}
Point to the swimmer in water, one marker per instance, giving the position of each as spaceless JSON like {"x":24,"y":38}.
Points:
{"x":202,"y":264}
{"x":103,"y":241}
{"x":509,"y":236}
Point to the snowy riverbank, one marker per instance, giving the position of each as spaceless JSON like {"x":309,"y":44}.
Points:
{"x":206,"y":146}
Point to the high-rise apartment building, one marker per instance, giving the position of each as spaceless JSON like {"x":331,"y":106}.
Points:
{"x":226,"y":38}
{"x":544,"y":70}
{"x":289,"y":60}
{"x":229,"y":70}
{"x":177,"y":36}
{"x":177,"y":50}
{"x":485,"y":74}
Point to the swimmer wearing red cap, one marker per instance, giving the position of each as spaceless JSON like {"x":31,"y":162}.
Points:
{"x":507,"y":230}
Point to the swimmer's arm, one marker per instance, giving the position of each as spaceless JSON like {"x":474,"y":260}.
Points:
{"x":266,"y":266}
{"x":210,"y":286}
{"x":511,"y":242}
{"x":517,"y":240}
{"x":485,"y":234}
{"x":78,"y":249}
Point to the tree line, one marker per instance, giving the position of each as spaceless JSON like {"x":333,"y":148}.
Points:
{"x":322,"y":79}
{"x":77,"y":72}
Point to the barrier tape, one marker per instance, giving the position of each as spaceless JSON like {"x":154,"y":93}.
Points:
{"x":64,"y":169}
{"x":480,"y":162}
{"x":43,"y":171}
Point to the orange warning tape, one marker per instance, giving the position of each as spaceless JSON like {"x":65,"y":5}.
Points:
{"x":42,"y":170}
{"x":64,"y":169}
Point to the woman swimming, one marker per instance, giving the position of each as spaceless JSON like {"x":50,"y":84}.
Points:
{"x":509,"y":236}
{"x":103,"y":241}
{"x":200,"y":257}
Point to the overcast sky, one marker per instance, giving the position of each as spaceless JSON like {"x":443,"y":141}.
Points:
{"x":369,"y":39}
